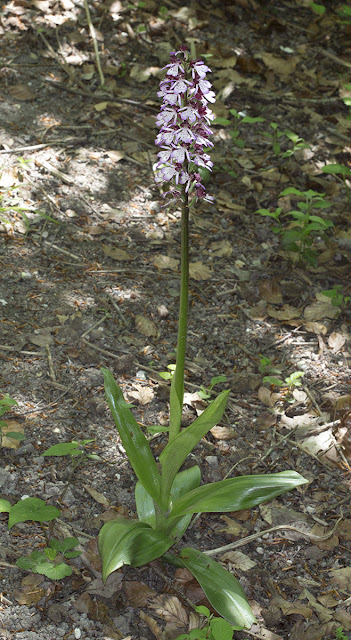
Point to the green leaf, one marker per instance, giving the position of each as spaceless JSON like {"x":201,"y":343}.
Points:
{"x":337,"y":168}
{"x":145,"y":506}
{"x":223,"y":122}
{"x":54,"y":571}
{"x":136,"y":446}
{"x":63,"y":449}
{"x":222,"y":589}
{"x":235,"y":494}
{"x":251,"y":120}
{"x":15,"y":435}
{"x":292,"y":191}
{"x":32,"y":509}
{"x":174,"y":454}
{"x":184,"y":482}
{"x":65,"y":545}
{"x":5,"y":506}
{"x":50,"y":553}
{"x":221,"y":629}
{"x":129,"y":542}
{"x":273,"y":380}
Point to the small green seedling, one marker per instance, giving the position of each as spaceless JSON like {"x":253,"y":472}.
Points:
{"x":214,"y":628}
{"x":339,"y":634}
{"x":239,"y":119}
{"x":344,"y":13}
{"x":318,"y":9}
{"x":342,"y":173}
{"x":275,"y":136}
{"x":266,"y":367}
{"x":5,"y":403}
{"x":28,"y":509}
{"x":291,"y":382}
{"x":297,"y":237}
{"x":298,"y":143}
{"x":206,"y":392}
{"x":168,"y":375}
{"x":336,"y":296}
{"x":49,"y":562}
{"x":73,"y":449}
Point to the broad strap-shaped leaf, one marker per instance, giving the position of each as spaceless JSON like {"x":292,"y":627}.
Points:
{"x":136,"y":446}
{"x":145,"y":505}
{"x":235,"y":494}
{"x":222,"y":589}
{"x":183,"y":482}
{"x":174,"y":454}
{"x":32,"y":509}
{"x":129,"y":542}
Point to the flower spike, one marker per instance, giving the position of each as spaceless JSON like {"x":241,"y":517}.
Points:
{"x":184,"y":121}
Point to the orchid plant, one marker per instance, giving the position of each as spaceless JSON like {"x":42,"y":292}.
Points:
{"x":167,"y":497}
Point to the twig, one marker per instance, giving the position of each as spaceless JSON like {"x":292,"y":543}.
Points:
{"x":259,"y":534}
{"x":107,"y":315}
{"x":116,"y":307}
{"x":103,"y":351}
{"x":33,"y":147}
{"x":96,"y":48}
{"x":67,"y":253}
{"x":51,"y":364}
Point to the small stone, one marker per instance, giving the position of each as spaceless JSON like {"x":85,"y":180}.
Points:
{"x":162,"y":311}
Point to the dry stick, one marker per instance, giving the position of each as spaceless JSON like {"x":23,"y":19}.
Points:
{"x":67,"y":253}
{"x":107,"y":315}
{"x":96,"y":48}
{"x":259,"y":534}
{"x":51,"y":364}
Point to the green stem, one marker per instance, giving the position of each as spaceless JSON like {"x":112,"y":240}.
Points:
{"x":177,"y":386}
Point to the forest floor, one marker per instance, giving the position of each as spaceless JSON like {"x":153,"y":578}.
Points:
{"x":97,"y":284}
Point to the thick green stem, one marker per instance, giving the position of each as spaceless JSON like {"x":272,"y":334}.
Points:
{"x":177,"y":387}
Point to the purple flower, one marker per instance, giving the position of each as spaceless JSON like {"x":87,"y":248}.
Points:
{"x":184,"y":121}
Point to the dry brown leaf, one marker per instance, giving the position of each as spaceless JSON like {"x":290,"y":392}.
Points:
{"x":170,"y":609}
{"x":21,"y":92}
{"x":138,"y":593}
{"x":152,"y":624}
{"x":9,"y":177}
{"x":320,"y":310}
{"x":271,"y":292}
{"x":29,"y":593}
{"x":199,"y":271}
{"x":341,"y":577}
{"x":239,"y":560}
{"x":290,"y":608}
{"x":344,"y":529}
{"x":94,"y":230}
{"x":286,"y":312}
{"x":166,"y":262}
{"x":115,"y":253}
{"x":345,"y":618}
{"x":223,"y":433}
{"x":98,"y":497}
{"x":232,"y":527}
{"x":336,"y":341}
{"x":41,"y":339}
{"x":145,"y":326}
{"x":115,"y":155}
{"x":280,"y":66}
{"x":320,"y":531}
{"x":267,"y":397}
{"x":108,"y":589}
{"x":9,"y":426}
{"x":143,"y":395}
{"x":316,"y":327}
{"x":221,"y":249}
